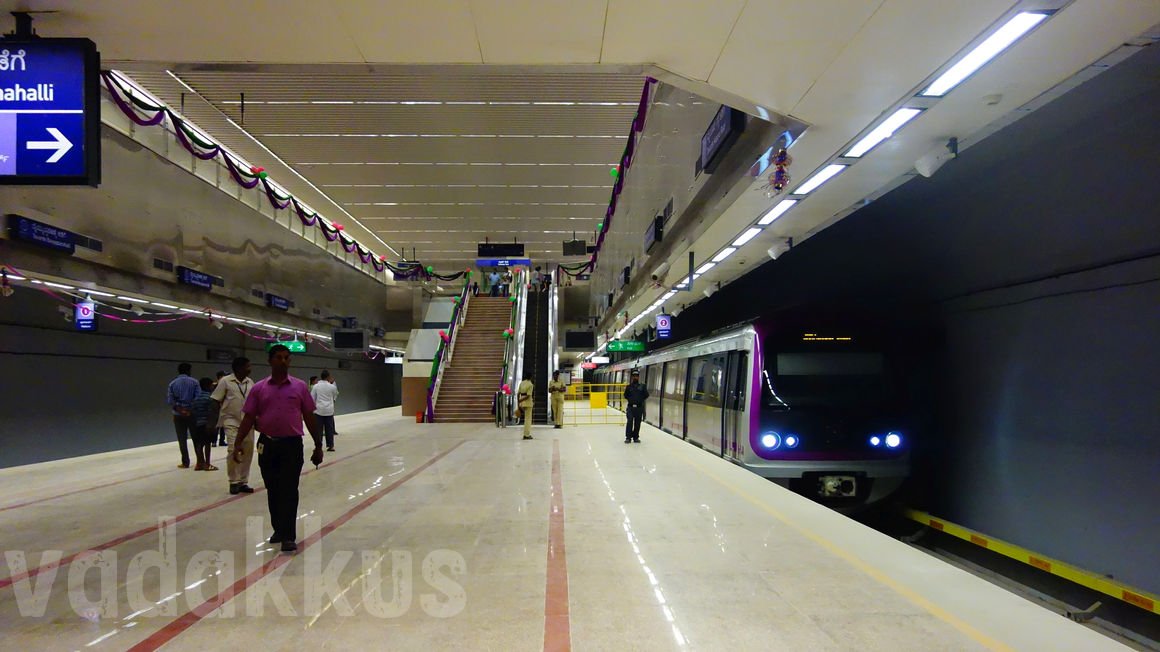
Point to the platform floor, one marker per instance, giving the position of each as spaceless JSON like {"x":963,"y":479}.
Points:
{"x":462,"y":536}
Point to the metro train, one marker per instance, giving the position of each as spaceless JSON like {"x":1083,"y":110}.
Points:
{"x":819,"y":412}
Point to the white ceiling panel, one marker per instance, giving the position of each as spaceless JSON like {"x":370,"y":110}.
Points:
{"x":646,"y":30}
{"x":780,"y":47}
{"x":539,"y":31}
{"x":432,"y":31}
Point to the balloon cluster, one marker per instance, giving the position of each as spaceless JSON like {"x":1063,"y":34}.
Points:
{"x":338,"y":227}
{"x":444,"y":336}
{"x":508,"y":333}
{"x":779,"y":180}
{"x":507,"y":389}
{"x":261,"y":172}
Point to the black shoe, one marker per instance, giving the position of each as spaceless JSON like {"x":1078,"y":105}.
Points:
{"x":275,"y":538}
{"x":558,"y":427}
{"x":234,"y":489}
{"x":636,"y":440}
{"x":246,"y":489}
{"x":331,"y":449}
{"x":627,"y":440}
{"x":289,"y":546}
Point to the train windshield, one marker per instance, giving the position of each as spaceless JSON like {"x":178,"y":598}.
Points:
{"x":824,"y":380}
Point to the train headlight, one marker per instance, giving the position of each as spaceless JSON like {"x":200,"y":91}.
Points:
{"x":893,"y":440}
{"x":792,"y":441}
{"x":771,"y":441}
{"x":875,"y":441}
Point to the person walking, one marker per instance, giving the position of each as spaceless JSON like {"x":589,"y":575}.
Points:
{"x":182,"y":391}
{"x":204,"y":423}
{"x":324,"y":393}
{"x":220,"y":439}
{"x":230,"y":395}
{"x":277,"y":406}
{"x":634,"y":398}
{"x":493,"y":280}
{"x":524,"y":400}
{"x":556,"y":389}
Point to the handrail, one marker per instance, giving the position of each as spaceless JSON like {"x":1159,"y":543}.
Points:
{"x":443,"y":353}
{"x":512,"y":353}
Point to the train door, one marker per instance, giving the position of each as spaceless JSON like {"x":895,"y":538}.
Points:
{"x":734,"y":428}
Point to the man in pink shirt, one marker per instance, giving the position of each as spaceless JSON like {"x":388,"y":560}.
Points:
{"x":277,"y":406}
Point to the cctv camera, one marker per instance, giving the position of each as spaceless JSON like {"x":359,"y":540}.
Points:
{"x":930,"y":162}
{"x":779,"y":248}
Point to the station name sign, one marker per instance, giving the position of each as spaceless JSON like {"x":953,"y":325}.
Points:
{"x":502,"y":262}
{"x":40,"y":234}
{"x":50,"y":117}
{"x":187,"y":276}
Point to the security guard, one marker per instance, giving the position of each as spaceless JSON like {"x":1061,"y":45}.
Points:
{"x":634,"y":398}
{"x":524,"y":400}
{"x":556,"y":389}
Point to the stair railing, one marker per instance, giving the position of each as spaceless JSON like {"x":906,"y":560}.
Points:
{"x":446,"y":347}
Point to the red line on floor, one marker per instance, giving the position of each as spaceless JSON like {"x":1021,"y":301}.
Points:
{"x":79,"y":491}
{"x":557,"y":629}
{"x":191,"y":617}
{"x":65,"y":561}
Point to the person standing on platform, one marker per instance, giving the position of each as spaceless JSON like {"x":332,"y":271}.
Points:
{"x":524,"y":400}
{"x":634,"y":398}
{"x":230,"y":395}
{"x":277,"y":406}
{"x":494,"y":279}
{"x":556,"y":389}
{"x":324,"y":393}
{"x":220,"y":438}
{"x":203,"y":426}
{"x":182,"y":391}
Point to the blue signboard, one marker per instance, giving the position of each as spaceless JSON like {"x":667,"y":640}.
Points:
{"x":502,"y":262}
{"x":39,"y":233}
{"x":275,"y":301}
{"x":49,"y":112}
{"x":85,"y":316}
{"x":664,"y":326}
{"x":188,"y":276}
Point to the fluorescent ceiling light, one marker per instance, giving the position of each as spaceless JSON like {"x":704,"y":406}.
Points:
{"x":746,"y":237}
{"x":1019,"y":25}
{"x":725,"y":253}
{"x":61,"y":286}
{"x":706,"y":267}
{"x":824,"y":175}
{"x":882,"y":132}
{"x":95,"y":293}
{"x":669,"y":295}
{"x":131,"y":299}
{"x":777,"y":211}
{"x":164,"y":305}
{"x":14,"y":277}
{"x":191,"y":310}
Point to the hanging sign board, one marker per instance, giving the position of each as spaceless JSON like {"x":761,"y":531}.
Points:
{"x":664,"y":326}
{"x":50,"y":115}
{"x":623,"y":346}
{"x":295,"y":346}
{"x":85,"y":316}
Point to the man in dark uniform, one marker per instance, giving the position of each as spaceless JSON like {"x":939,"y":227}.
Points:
{"x":634,"y":397}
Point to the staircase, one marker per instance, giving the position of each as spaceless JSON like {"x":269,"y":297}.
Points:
{"x":536,"y":352}
{"x":471,"y":379}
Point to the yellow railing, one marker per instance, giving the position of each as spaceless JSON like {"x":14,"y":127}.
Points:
{"x":594,"y":404}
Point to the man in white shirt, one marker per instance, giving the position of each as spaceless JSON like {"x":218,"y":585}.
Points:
{"x":230,"y":395}
{"x":324,"y":394}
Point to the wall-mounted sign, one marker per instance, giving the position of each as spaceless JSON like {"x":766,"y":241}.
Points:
{"x":219,"y":355}
{"x":723,"y":131}
{"x":39,"y":233}
{"x":197,"y":279}
{"x":85,"y":316}
{"x":295,"y":346}
{"x":654,"y":233}
{"x":664,"y":326}
{"x":502,"y":262}
{"x":600,"y":359}
{"x":623,"y":346}
{"x":50,"y":116}
{"x":277,"y":302}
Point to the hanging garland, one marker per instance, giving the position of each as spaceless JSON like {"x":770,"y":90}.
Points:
{"x":136,"y":110}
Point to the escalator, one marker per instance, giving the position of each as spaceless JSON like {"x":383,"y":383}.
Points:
{"x":536,"y":353}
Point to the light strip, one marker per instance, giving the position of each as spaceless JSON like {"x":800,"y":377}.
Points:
{"x":746,"y":237}
{"x":882,"y":132}
{"x":825,"y":174}
{"x":134,"y":300}
{"x":706,"y":267}
{"x":725,"y":253}
{"x":61,"y":286}
{"x":777,"y":211}
{"x":1019,"y":25}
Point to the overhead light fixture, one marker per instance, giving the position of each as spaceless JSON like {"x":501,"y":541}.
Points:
{"x":724,"y":253}
{"x":131,"y":299}
{"x":824,"y":175}
{"x":1002,"y":39}
{"x":95,"y":293}
{"x":164,"y":305}
{"x":61,"y":286}
{"x":746,"y":237}
{"x":777,"y":211}
{"x":706,"y":267}
{"x":882,"y":132}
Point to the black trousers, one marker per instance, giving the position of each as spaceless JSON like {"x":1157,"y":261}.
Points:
{"x":632,"y":428}
{"x":184,"y":428}
{"x":280,"y":459}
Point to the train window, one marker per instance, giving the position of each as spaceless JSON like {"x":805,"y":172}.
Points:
{"x":829,"y":379}
{"x":705,"y":378}
{"x":675,"y":379}
{"x":653,"y":379}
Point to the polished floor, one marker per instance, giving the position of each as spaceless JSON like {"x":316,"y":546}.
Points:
{"x":462,"y":536}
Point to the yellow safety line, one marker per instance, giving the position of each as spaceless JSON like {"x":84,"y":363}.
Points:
{"x":909,"y":594}
{"x":1118,"y":590}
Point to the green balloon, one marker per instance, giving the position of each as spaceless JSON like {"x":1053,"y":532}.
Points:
{"x":512,"y":299}
{"x":614,"y":172}
{"x":430,"y":269}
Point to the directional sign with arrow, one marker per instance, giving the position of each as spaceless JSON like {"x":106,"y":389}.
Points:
{"x":49,"y":111}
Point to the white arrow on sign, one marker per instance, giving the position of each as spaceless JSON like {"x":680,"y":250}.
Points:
{"x":62,"y":145}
